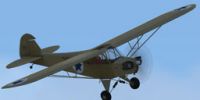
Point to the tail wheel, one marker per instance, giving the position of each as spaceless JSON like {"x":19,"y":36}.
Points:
{"x":105,"y":95}
{"x":134,"y":83}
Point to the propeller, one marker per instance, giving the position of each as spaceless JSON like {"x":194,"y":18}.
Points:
{"x":146,"y":63}
{"x":143,"y":55}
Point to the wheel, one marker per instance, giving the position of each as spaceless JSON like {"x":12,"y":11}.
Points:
{"x":105,"y":95}
{"x":134,"y":83}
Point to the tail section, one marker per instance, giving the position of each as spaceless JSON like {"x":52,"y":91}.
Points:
{"x":30,"y":51}
{"x":29,"y":47}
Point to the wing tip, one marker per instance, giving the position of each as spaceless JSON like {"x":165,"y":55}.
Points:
{"x":9,"y":66}
{"x":15,"y":83}
{"x":4,"y":87}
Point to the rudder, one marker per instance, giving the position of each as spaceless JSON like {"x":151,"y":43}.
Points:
{"x":29,"y":47}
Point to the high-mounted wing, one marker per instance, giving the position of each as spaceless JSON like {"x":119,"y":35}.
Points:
{"x":55,"y":68}
{"x":148,"y":26}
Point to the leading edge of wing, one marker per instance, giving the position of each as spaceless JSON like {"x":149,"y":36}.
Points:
{"x":148,"y":26}
{"x":55,"y":68}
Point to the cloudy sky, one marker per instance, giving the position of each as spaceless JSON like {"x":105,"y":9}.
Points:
{"x":79,"y":25}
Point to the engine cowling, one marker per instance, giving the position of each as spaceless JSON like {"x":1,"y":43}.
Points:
{"x":128,"y":64}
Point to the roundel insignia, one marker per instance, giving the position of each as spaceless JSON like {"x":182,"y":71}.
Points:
{"x":78,"y":68}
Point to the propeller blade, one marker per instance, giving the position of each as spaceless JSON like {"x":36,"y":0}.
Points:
{"x":145,"y":65}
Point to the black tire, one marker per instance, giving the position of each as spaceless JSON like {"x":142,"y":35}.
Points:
{"x":105,"y":95}
{"x":134,"y":83}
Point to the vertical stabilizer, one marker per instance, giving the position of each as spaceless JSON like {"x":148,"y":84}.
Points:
{"x":29,"y":47}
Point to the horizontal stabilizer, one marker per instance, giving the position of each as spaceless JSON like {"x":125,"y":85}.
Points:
{"x":22,"y":61}
{"x":50,"y":49}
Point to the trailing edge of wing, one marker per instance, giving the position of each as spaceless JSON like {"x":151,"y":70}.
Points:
{"x":55,"y":68}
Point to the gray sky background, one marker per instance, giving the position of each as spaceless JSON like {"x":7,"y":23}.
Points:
{"x":79,"y":25}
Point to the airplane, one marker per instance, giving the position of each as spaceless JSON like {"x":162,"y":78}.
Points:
{"x":103,"y":62}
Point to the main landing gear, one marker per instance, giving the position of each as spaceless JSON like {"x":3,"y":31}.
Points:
{"x":105,"y":95}
{"x":134,"y":83}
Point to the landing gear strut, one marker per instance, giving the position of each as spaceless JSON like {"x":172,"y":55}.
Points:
{"x":134,"y":83}
{"x":105,"y":95}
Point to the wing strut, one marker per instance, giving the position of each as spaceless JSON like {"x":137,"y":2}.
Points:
{"x":67,"y":76}
{"x":134,"y":49}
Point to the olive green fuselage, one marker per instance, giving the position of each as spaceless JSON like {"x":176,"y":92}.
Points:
{"x":101,"y":69}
